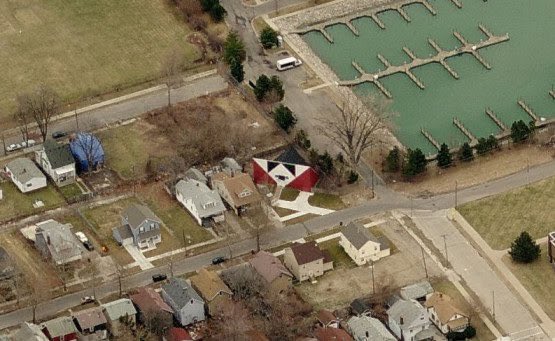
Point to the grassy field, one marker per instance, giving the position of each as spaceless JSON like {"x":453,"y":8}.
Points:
{"x":500,"y":219}
{"x":71,"y":190}
{"x":17,"y":204}
{"x":329,"y":201}
{"x":537,"y":278}
{"x":339,"y":256}
{"x":85,"y":48}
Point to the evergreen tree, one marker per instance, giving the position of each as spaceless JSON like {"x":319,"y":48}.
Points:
{"x":415,"y":163}
{"x":325,"y":163}
{"x":284,"y":117}
{"x":236,"y":69}
{"x":262,"y":87}
{"x":393,"y":160}
{"x":482,"y":147}
{"x":444,"y":157}
{"x":217,"y":12}
{"x":466,"y":153}
{"x":269,"y":37}
{"x":524,"y":249}
{"x":208,"y":4}
{"x":520,"y":132}
{"x":492,"y":142}
{"x":234,"y":49}
{"x":276,"y":85}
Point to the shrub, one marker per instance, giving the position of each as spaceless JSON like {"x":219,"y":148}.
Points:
{"x":277,"y":85}
{"x":465,"y":153}
{"x":393,"y":160}
{"x":234,"y":49}
{"x":284,"y":117}
{"x":269,"y":89}
{"x":236,"y":70}
{"x":217,"y":13}
{"x":302,"y":139}
{"x":208,"y":4}
{"x":269,"y":37}
{"x":353,"y":177}
{"x":524,"y":249}
{"x":482,"y":146}
{"x":262,"y":87}
{"x":444,"y":157}
{"x":415,"y":163}
{"x":325,"y":163}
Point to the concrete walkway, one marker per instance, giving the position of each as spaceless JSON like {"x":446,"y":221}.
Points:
{"x":301,"y":205}
{"x":138,"y":256}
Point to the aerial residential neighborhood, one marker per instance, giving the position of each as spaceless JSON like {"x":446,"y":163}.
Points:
{"x":328,"y":170}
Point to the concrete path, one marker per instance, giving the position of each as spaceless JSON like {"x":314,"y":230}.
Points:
{"x":138,"y":256}
{"x":508,"y":311}
{"x":301,"y":205}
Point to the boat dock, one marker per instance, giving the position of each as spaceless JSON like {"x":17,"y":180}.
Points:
{"x":529,"y":111}
{"x":465,"y":131}
{"x":496,"y":119}
{"x":430,"y":138}
{"x":552,"y":93}
{"x":440,"y":58}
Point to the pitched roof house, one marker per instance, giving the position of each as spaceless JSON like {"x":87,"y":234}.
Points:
{"x":178,"y":334}
{"x":60,"y":329}
{"x":408,"y":320}
{"x":118,"y":312}
{"x":203,"y":203}
{"x":139,"y":226}
{"x":288,"y":170}
{"x":149,"y":302}
{"x":56,"y":161}
{"x":238,"y":191}
{"x":306,"y":260}
{"x":91,"y":321}
{"x":194,"y":174}
{"x":57,"y":242}
{"x":332,"y":334}
{"x":25,"y":175}
{"x":187,"y":305}
{"x":445,"y":314}
{"x":230,"y":166}
{"x":212,"y":289}
{"x":29,"y":332}
{"x":276,"y":275}
{"x":327,"y":319}
{"x":366,"y":328}
{"x":361,"y":245}
{"x":417,"y":291}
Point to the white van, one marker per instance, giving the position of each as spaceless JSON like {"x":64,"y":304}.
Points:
{"x":288,"y":63}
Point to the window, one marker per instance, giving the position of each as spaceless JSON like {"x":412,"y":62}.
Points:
{"x":141,"y":229}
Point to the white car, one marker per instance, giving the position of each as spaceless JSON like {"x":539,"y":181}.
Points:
{"x":16,"y":146}
{"x":81,"y":236}
{"x":28,"y":143}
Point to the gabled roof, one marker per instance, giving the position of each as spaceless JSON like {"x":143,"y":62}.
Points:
{"x":444,"y":306}
{"x":59,"y":326}
{"x":416,"y":290}
{"x":332,"y":334}
{"x":358,"y":235}
{"x":180,"y":292}
{"x":90,"y":318}
{"x":326,"y":317}
{"x":178,"y":334}
{"x":292,"y":156}
{"x":369,"y":328}
{"x":306,"y":252}
{"x":410,"y":311}
{"x":231,"y":164}
{"x":269,"y":266}
{"x":206,"y":200}
{"x":195,"y":174}
{"x":240,"y":187}
{"x":136,"y":214}
{"x":209,"y":284}
{"x":119,"y":308}
{"x":23,"y":169}
{"x":59,"y":239}
{"x":29,"y":332}
{"x":59,"y":155}
{"x":148,"y":300}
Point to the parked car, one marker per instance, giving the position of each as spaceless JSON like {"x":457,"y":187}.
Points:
{"x":59,"y":134}
{"x":218,"y":260}
{"x":159,"y":277}
{"x":81,"y":236}
{"x":88,"y":245}
{"x":16,"y":146}
{"x":28,"y":143}
{"x":87,"y":299}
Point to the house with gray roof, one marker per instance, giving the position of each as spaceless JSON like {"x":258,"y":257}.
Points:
{"x":57,"y":161}
{"x":61,"y":328}
{"x":195,"y":174}
{"x":409,"y":320}
{"x":230,"y":166}
{"x":118,"y":312}
{"x":203,"y":203}
{"x":92,"y":322}
{"x":57,"y":242}
{"x":25,"y":175}
{"x":362,"y":245}
{"x":418,"y":291}
{"x":186,"y":303}
{"x":139,"y":226}
{"x":366,"y":328}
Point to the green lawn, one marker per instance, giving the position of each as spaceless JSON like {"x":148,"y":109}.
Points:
{"x":500,"y":219}
{"x":71,"y":190}
{"x":84,"y":48}
{"x":17,"y":204}
{"x":329,"y":201}
{"x":289,"y":194}
{"x":537,"y":278}
{"x":339,"y":256}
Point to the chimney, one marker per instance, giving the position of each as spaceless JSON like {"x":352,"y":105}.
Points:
{"x":48,"y":240}
{"x":401,"y":321}
{"x":367,"y":334}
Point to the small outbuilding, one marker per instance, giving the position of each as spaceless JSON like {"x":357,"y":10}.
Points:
{"x":25,"y":175}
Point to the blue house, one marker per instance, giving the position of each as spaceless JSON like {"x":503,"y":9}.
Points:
{"x":86,"y":148}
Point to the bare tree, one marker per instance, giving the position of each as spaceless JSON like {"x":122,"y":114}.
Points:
{"x":356,"y":128}
{"x":119,"y":274}
{"x":245,"y":282}
{"x":39,"y":293}
{"x":258,"y":217}
{"x":232,"y":322}
{"x":23,"y":117}
{"x":157,"y":322}
{"x":171,"y":68}
{"x":41,"y":105}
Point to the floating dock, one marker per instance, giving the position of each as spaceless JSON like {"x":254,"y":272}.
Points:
{"x":529,"y":111}
{"x":496,"y":119}
{"x":465,"y":131}
{"x":440,"y":58}
{"x":457,"y":3}
{"x":430,"y":138}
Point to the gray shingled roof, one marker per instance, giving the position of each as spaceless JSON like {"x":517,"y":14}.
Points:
{"x":119,"y":308}
{"x":63,"y":243}
{"x":358,"y":235}
{"x":23,"y":169}
{"x":180,"y":292}
{"x":232,"y":164}
{"x":410,"y":311}
{"x":416,"y":290}
{"x":60,"y":326}
{"x":136,"y":214}
{"x":195,"y":174}
{"x":360,"y":325}
{"x":59,"y":155}
{"x":207,"y":201}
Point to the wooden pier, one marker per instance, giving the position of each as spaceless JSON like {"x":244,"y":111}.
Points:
{"x":552,"y":93}
{"x":496,"y":119}
{"x":465,"y":131}
{"x":529,"y":111}
{"x":430,"y":138}
{"x":457,"y":3}
{"x":402,"y":13}
{"x":440,"y":58}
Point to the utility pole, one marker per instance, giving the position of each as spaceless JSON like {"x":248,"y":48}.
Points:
{"x":372,"y":181}
{"x":424,"y":261}
{"x":456,"y":194}
{"x":373,"y":281}
{"x":493,"y":305}
{"x":411,"y":206}
{"x":4,"y":142}
{"x":76,"y":119}
{"x":445,"y":246}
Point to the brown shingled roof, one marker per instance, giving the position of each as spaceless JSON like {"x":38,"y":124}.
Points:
{"x":308,"y":252}
{"x":444,"y":306}
{"x":238,"y":184}
{"x":326,"y":317}
{"x":146,"y":299}
{"x":209,"y":284}
{"x":269,"y":266}
{"x":332,"y":334}
{"x":90,"y":318}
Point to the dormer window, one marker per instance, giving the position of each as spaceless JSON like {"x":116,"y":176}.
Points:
{"x":245,"y":193}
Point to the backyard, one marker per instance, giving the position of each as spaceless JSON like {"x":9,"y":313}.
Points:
{"x":501,"y":218}
{"x":85,"y":48}
{"x":17,"y":204}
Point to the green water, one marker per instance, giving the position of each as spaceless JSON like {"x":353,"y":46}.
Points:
{"x":522,"y":68}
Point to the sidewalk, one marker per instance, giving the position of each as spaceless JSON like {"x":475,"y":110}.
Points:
{"x":301,"y":206}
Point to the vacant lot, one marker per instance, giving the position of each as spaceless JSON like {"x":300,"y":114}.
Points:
{"x":324,"y":200}
{"x":17,"y":204}
{"x":537,"y":278}
{"x":500,"y":219}
{"x":84,"y":48}
{"x":338,"y":255}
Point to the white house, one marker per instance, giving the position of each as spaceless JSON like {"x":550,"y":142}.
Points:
{"x":204,"y":204}
{"x":409,"y":321}
{"x":57,"y":161}
{"x":187,"y":305}
{"x":445,"y":314}
{"x":361,"y":245}
{"x":25,"y":175}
